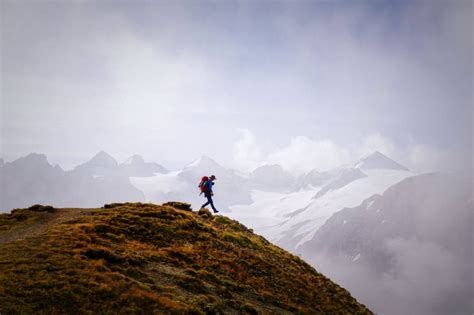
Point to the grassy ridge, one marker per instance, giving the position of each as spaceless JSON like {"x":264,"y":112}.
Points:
{"x":151,"y":259}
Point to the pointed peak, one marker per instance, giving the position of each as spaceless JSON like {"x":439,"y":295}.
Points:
{"x":378,"y":160}
{"x":374,"y":154}
{"x":203,"y":160}
{"x":32,"y":159}
{"x":103,"y":158}
{"x":36,"y":157}
{"x":102,"y":153}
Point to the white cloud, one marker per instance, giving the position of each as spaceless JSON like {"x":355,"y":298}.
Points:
{"x":246,"y":153}
{"x":304,"y":154}
{"x":424,"y":158}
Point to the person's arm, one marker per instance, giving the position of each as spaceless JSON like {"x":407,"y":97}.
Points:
{"x":211,"y":183}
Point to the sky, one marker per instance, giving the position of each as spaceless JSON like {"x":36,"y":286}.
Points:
{"x":305,"y":84}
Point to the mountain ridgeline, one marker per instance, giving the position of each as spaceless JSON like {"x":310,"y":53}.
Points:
{"x":33,"y":180}
{"x":136,"y":258}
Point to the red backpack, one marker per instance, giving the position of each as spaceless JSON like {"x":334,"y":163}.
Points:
{"x":203,"y":185}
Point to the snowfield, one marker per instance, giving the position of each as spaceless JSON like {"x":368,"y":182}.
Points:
{"x":274,"y":214}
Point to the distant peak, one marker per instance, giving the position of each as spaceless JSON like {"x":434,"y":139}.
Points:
{"x":102,"y":158}
{"x":203,"y":160}
{"x":375,"y":154}
{"x":102,"y":154}
{"x":31,"y":159}
{"x":377,"y":160}
{"x":36,"y":157}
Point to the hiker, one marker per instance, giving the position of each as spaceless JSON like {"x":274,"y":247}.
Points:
{"x":206,"y":188}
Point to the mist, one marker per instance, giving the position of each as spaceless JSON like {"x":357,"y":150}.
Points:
{"x":174,"y":81}
{"x":422,"y":262}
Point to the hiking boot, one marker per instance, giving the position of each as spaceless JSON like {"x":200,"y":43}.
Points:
{"x":216,"y":211}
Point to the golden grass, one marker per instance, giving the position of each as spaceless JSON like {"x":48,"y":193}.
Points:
{"x":137,"y":258}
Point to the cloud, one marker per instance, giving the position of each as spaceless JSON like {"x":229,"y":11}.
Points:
{"x":424,"y":158}
{"x":148,"y":77}
{"x":301,"y":155}
{"x":304,"y":154}
{"x":246,"y":153}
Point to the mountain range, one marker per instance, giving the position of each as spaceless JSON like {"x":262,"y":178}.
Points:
{"x":359,"y":223}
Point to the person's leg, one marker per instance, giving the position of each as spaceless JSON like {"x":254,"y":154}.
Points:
{"x":205,"y":204}
{"x":209,"y":201}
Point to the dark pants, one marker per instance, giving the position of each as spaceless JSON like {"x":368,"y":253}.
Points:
{"x":209,"y":202}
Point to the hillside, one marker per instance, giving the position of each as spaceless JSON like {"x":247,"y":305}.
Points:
{"x":144,"y":258}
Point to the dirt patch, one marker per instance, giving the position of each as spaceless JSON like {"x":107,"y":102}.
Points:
{"x":43,"y":224}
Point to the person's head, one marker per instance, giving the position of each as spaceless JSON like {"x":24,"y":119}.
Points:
{"x":212,"y":177}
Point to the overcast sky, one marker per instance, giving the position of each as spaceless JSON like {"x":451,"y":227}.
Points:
{"x":303,"y":84}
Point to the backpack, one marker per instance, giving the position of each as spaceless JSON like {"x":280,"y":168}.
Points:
{"x":203,"y":185}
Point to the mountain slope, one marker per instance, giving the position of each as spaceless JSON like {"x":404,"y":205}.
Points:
{"x":408,"y":250}
{"x":306,"y":210}
{"x":145,"y":258}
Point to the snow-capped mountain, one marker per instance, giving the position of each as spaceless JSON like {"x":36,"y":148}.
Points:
{"x":307,"y":209}
{"x":414,"y":239}
{"x":137,"y":167}
{"x":377,"y":160}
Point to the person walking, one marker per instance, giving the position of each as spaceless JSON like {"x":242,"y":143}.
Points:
{"x":206,"y":188}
